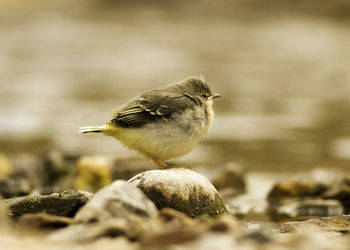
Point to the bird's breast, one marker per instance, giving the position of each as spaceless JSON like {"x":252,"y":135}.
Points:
{"x":196,"y":122}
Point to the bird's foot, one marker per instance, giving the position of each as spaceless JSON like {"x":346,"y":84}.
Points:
{"x":163,"y":165}
{"x":186,"y":167}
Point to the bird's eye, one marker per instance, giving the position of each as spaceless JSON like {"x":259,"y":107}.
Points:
{"x":205,"y":96}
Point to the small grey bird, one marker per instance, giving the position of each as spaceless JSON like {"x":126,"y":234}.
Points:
{"x":164,"y":122}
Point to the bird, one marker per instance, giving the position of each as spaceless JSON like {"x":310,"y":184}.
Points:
{"x":165,"y":122}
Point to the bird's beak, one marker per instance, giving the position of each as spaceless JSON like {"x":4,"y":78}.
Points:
{"x":214,"y":96}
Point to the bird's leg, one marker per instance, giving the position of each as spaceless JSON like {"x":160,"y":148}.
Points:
{"x":181,"y":167}
{"x":161,"y":164}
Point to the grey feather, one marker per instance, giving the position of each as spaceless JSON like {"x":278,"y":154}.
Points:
{"x":149,"y":108}
{"x":161,"y":103}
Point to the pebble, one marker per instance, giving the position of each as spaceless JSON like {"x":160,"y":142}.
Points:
{"x":231,"y":176}
{"x":93,"y":173}
{"x":5,"y":166}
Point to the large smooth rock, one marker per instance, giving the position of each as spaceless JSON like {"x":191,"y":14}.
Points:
{"x":181,"y":189}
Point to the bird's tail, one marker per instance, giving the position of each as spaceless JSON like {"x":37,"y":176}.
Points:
{"x":92,"y":129}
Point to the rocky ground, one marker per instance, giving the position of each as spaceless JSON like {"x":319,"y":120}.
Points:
{"x":91,"y":202}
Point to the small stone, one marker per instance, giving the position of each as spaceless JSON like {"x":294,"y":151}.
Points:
{"x":232,"y":176}
{"x":66,"y":203}
{"x":177,"y":228}
{"x":5,"y":166}
{"x":15,"y":186}
{"x":43,"y":221}
{"x":24,"y":179}
{"x":340,"y":192}
{"x":93,"y":173}
{"x":54,"y":167}
{"x":223,"y":224}
{"x":171,"y":236}
{"x":180,"y":189}
{"x":118,"y":200}
{"x":168,"y":214}
{"x":294,"y":189}
{"x":306,"y":209}
{"x":257,"y":237}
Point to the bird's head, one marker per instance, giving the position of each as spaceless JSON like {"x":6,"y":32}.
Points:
{"x":196,"y":87}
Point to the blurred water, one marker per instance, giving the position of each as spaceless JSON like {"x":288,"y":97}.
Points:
{"x":284,"y":74}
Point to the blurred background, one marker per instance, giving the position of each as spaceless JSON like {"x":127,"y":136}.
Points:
{"x":283,"y":68}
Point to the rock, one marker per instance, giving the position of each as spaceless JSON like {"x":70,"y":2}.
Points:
{"x":125,"y":169}
{"x":306,"y":209}
{"x":120,"y":209}
{"x":4,"y":218}
{"x":232,"y":177}
{"x":247,"y":206}
{"x":118,"y":200}
{"x":89,"y":232}
{"x":178,"y":228}
{"x":181,"y":189}
{"x":93,"y":173}
{"x":14,"y":186}
{"x":340,"y":192}
{"x":293,"y":189}
{"x":5,"y":166}
{"x":255,"y":237}
{"x":66,"y":203}
{"x":172,"y":235}
{"x":35,"y":174}
{"x":43,"y":221}
{"x":168,"y":214}
{"x":318,"y":196}
{"x":300,"y":199}
{"x":13,"y":240}
{"x":223,"y":224}
{"x":24,"y":179}
{"x":54,"y":167}
{"x":337,"y":224}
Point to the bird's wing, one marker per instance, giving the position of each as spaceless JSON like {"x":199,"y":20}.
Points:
{"x":147,"y":108}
